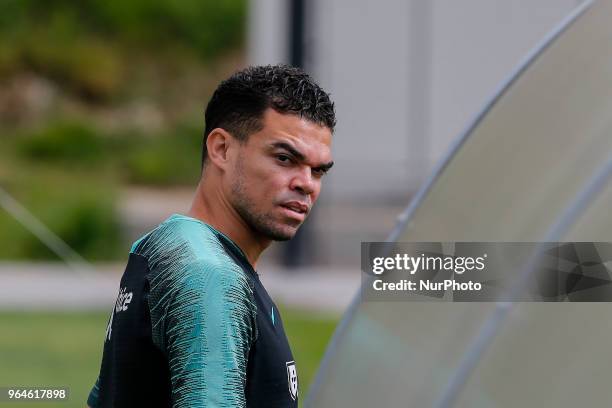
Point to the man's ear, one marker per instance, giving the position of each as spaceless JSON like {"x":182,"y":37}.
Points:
{"x":218,"y":144}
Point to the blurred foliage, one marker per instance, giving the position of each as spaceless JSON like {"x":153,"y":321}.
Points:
{"x":68,"y":174}
{"x":91,"y":228}
{"x":65,"y":349}
{"x":87,"y":45}
{"x":82,"y":213}
{"x":87,"y":225}
{"x":166,"y":159}
{"x":94,"y":96}
{"x":90,"y":67}
{"x":161,"y":159}
{"x":62,"y":141}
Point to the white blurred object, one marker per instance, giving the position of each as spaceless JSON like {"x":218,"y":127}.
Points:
{"x":536,"y":165}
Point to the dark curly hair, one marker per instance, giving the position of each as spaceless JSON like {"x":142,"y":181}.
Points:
{"x":238,"y":103}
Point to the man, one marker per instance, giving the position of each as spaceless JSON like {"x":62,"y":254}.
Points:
{"x":193,"y":325}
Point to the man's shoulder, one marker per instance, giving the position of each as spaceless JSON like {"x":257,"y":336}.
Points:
{"x":186,"y":249}
{"x":176,"y":230}
{"x":182,"y":235}
{"x":192,"y":279}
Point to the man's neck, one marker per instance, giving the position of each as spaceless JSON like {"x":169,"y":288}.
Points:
{"x":211,"y":207}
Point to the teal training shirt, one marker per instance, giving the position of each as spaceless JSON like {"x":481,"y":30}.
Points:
{"x":193,"y":327}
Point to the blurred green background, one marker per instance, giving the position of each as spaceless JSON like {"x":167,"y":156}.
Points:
{"x":98,"y":98}
{"x":65,"y":349}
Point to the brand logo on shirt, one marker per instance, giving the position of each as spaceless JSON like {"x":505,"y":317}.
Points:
{"x":292,"y":379}
{"x":123,"y":300}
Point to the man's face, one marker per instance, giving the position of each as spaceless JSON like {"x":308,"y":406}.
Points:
{"x":278,"y":172}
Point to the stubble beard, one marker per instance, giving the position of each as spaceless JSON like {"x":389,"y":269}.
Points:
{"x":263,"y":224}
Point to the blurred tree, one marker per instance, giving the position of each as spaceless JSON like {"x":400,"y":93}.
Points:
{"x":86,"y":44}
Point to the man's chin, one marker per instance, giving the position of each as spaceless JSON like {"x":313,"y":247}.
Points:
{"x":282,"y":238}
{"x":281,"y":234}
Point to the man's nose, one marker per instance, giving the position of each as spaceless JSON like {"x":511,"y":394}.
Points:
{"x":304,"y":182}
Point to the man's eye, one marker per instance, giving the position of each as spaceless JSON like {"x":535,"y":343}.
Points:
{"x":283,"y":158}
{"x":319,"y":172}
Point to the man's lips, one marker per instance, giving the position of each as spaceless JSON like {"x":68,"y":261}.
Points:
{"x":297,"y":207}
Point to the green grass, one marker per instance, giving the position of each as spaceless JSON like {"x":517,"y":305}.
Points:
{"x":64,"y":349}
{"x":52,"y":349}
{"x":308,"y":336}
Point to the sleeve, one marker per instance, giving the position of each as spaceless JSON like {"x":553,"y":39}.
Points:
{"x":208,"y":330}
{"x":92,"y":400}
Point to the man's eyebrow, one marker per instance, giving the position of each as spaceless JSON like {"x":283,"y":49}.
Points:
{"x":324,"y":167}
{"x":299,"y":156}
{"x":290,"y":149}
